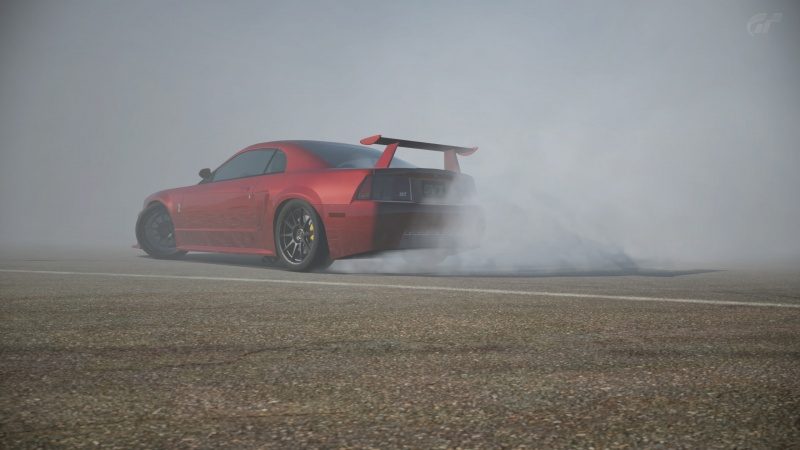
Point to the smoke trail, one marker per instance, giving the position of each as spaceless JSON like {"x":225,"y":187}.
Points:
{"x":525,"y":232}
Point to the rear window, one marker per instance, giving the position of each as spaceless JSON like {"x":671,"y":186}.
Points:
{"x":347,"y":156}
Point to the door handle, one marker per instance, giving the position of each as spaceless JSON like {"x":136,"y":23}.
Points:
{"x":249,"y":190}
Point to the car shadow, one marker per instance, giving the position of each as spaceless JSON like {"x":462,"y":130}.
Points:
{"x":255,"y":261}
{"x":522,"y":273}
{"x":226,"y":259}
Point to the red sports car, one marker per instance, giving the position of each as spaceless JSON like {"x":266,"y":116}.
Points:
{"x":308,"y":203}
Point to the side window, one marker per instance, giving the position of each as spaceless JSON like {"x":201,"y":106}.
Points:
{"x":247,"y":164}
{"x":278,"y":163}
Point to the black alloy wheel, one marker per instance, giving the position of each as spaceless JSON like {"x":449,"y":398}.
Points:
{"x":155,"y":233}
{"x":300,"y":238}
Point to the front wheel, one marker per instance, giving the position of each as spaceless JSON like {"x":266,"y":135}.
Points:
{"x":156,"y":233}
{"x":300,"y":237}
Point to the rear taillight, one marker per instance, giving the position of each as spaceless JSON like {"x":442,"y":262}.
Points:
{"x":385,"y":187}
{"x":364,"y":191}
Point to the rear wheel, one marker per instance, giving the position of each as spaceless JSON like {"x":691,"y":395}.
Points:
{"x":156,"y":233}
{"x":300,"y":237}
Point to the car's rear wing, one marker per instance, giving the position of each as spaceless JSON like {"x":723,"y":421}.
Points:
{"x":450,"y":151}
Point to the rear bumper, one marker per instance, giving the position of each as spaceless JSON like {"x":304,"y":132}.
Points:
{"x":403,"y":226}
{"x":369,"y":227}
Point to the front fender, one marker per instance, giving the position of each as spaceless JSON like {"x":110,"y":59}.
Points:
{"x":166,"y":198}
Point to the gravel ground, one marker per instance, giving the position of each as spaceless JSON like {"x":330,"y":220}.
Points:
{"x":115,"y":362}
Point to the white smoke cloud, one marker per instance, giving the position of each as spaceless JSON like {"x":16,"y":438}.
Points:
{"x":617,"y":134}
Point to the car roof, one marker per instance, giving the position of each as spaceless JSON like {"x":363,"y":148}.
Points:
{"x":302,"y":158}
{"x":300,"y":143}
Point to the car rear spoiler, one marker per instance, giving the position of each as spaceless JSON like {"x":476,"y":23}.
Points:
{"x":450,"y":151}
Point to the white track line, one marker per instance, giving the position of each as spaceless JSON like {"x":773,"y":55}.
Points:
{"x":416,"y":288}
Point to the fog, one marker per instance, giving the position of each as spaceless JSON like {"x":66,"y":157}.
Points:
{"x":611,"y":134}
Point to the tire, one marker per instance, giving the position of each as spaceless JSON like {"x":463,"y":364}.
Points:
{"x":155,"y":233}
{"x":300,"y":242}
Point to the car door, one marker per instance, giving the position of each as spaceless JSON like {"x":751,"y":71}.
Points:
{"x":265,"y":190}
{"x":224,"y":212}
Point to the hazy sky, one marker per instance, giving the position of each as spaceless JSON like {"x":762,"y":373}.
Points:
{"x":665,"y":130}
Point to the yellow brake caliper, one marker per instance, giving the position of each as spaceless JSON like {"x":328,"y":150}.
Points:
{"x":311,"y":232}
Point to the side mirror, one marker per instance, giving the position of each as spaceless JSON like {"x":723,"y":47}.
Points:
{"x":205,"y":174}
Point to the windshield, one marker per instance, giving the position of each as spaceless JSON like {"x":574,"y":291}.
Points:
{"x":347,"y":156}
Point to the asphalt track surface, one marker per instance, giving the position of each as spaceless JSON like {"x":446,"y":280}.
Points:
{"x":109,"y":349}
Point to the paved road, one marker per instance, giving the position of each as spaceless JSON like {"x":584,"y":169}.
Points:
{"x":111,"y":349}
